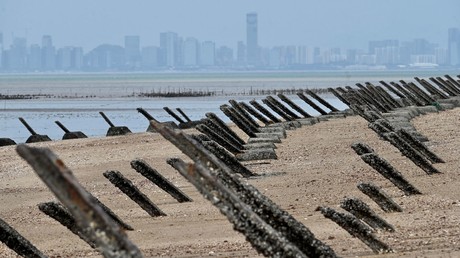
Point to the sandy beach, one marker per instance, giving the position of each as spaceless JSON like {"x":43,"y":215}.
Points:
{"x":315,"y":167}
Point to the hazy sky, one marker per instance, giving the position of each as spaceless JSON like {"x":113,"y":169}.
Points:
{"x":329,"y":23}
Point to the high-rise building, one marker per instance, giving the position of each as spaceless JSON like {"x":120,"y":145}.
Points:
{"x":169,"y":45}
{"x":453,"y":46}
{"x":207,"y":53}
{"x":252,"y":52}
{"x":191,"y":51}
{"x":132,"y":51}
{"x":17,"y":55}
{"x":48,"y":53}
{"x":64,"y":58}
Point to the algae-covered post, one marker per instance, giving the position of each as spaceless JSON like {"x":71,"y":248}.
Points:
{"x":127,"y":187}
{"x":90,"y":217}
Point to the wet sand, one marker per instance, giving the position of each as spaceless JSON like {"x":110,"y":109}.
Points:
{"x":318,"y":168}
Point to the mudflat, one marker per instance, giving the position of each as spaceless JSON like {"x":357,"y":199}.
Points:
{"x":315,"y":167}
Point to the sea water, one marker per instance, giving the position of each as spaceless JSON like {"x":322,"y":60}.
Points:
{"x":76,"y":99}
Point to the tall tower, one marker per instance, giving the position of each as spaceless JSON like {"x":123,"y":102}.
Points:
{"x":453,"y":46}
{"x":252,"y":53}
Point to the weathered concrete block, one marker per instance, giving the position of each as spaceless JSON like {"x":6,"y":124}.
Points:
{"x":260,"y":140}
{"x":275,"y":137}
{"x":118,"y":130}
{"x":260,"y":154}
{"x":363,"y":212}
{"x":263,"y":145}
{"x":6,"y":142}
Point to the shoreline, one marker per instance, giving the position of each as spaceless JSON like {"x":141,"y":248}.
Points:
{"x":318,"y":170}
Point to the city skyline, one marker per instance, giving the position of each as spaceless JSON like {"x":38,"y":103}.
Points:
{"x":333,"y":23}
{"x":175,"y":51}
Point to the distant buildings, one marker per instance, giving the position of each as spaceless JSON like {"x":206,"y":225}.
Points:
{"x":174,"y":52}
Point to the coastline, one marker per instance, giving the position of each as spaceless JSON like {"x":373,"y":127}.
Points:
{"x":319,"y":169}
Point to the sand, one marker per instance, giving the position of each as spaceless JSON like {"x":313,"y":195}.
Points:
{"x":316,"y":167}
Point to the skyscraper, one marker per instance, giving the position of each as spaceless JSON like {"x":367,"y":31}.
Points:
{"x":132,"y":51}
{"x":48,"y":53}
{"x":252,"y":53}
{"x":191,"y":52}
{"x":453,"y":46}
{"x":169,"y":45}
{"x":207,"y":53}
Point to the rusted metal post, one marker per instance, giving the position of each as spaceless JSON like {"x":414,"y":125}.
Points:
{"x":294,"y":105}
{"x":321,"y":100}
{"x":245,"y":127}
{"x":127,"y":187}
{"x":445,"y":88}
{"x":217,"y":137}
{"x":431,"y":89}
{"x":254,"y":112}
{"x":35,"y":137}
{"x":61,"y":215}
{"x":16,"y":242}
{"x":363,"y":212}
{"x":228,"y":159}
{"x":282,"y":107}
{"x":385,"y":169}
{"x":264,"y":238}
{"x":428,"y":99}
{"x":380,"y":197}
{"x":110,"y":239}
{"x":414,"y":99}
{"x":338,"y":95}
{"x":454,"y":83}
{"x":243,"y":113}
{"x":150,"y":118}
{"x":407,"y":150}
{"x":393,"y":90}
{"x":311,"y":103}
{"x":106,"y":119}
{"x":155,"y":177}
{"x":221,"y":124}
{"x":449,"y":85}
{"x":357,"y":229}
{"x":146,"y":114}
{"x":265,"y":111}
{"x":68,"y":134}
{"x":114,"y":130}
{"x":419,"y":146}
{"x":380,"y":90}
{"x":383,"y":97}
{"x":183,"y":114}
{"x":171,"y":113}
{"x":277,"y":110}
{"x":268,"y":211}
